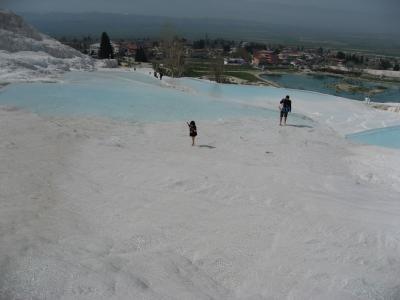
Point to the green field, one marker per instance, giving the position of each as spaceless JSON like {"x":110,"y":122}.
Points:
{"x":203,"y":67}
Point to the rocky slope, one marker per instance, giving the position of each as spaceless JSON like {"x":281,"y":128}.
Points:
{"x":28,"y":55}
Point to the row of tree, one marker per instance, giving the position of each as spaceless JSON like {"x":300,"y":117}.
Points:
{"x":357,"y":59}
{"x":106,"y":50}
{"x":384,"y":64}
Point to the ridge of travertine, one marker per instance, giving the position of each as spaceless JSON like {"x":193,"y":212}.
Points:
{"x":26,"y":54}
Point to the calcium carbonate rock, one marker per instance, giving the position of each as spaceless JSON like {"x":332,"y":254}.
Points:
{"x":28,"y":55}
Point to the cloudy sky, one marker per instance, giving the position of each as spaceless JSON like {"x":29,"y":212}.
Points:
{"x":374,"y":15}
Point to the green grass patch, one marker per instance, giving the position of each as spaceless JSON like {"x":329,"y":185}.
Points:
{"x":195,"y":72}
{"x":242,"y":75}
{"x":189,"y":72}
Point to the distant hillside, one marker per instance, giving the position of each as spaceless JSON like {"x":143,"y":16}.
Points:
{"x":27,"y":54}
{"x":136,"y":26}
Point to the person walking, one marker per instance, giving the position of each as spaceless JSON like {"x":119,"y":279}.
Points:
{"x":192,"y":131}
{"x":285,"y":108}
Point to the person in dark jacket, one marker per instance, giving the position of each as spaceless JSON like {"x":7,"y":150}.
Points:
{"x":285,"y":108}
{"x":192,"y":131}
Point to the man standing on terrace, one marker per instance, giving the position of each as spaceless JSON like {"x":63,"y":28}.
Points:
{"x":285,"y":107}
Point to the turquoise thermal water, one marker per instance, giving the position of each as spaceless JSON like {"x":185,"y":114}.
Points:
{"x":136,"y":97}
{"x":386,"y":137}
{"x":124,"y":95}
{"x":322,"y":84}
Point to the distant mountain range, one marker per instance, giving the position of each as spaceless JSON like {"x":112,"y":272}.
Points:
{"x":137,"y":26}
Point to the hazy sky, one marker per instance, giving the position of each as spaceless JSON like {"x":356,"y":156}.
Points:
{"x":377,"y":15}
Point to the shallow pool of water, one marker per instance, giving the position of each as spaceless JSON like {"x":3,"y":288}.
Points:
{"x":324,"y":84}
{"x":137,"y":97}
{"x":124,"y":95}
{"x":386,"y":137}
